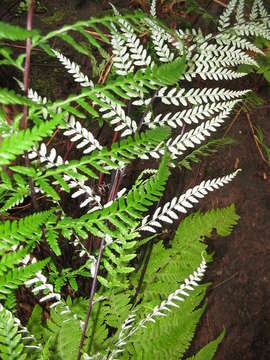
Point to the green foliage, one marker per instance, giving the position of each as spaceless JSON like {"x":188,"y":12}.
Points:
{"x":11,"y":346}
{"x":11,"y":32}
{"x":261,"y":140}
{"x":204,"y":150}
{"x":14,"y":278}
{"x":209,"y":350}
{"x":17,"y":144}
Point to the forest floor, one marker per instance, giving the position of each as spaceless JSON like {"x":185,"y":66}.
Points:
{"x":238,"y":298}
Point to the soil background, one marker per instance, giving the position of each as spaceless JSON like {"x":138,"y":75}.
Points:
{"x":240,"y":274}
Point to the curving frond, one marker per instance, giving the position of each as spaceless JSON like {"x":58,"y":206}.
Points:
{"x":168,"y":213}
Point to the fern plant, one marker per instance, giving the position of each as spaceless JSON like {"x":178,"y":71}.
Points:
{"x":145,"y":295}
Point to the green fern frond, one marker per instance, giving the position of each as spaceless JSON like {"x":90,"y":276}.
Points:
{"x":26,"y":230}
{"x":168,"y":266}
{"x":11,"y":259}
{"x":174,"y":332}
{"x":204,"y":150}
{"x":209,"y":350}
{"x":17,"y":144}
{"x":123,"y":213}
{"x":11,"y":345}
{"x":11,"y":32}
{"x":16,"y":277}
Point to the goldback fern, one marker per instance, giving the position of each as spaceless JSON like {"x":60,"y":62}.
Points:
{"x":145,"y":299}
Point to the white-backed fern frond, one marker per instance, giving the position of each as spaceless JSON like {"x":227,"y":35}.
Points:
{"x":160,"y":39}
{"x":81,"y":134}
{"x":117,"y":117}
{"x":239,"y":42}
{"x":224,"y":20}
{"x":153,"y":8}
{"x":178,"y":145}
{"x":192,"y":115}
{"x":240,"y":17}
{"x":121,"y":56}
{"x":160,"y":310}
{"x":74,"y":69}
{"x":252,"y":29}
{"x":53,"y":160}
{"x":168,"y":213}
{"x":195,"y":96}
{"x":138,"y":53}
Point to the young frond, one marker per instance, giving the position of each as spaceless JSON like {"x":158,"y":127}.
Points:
{"x":168,"y":213}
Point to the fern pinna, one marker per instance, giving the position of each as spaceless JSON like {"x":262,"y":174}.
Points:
{"x":145,"y":297}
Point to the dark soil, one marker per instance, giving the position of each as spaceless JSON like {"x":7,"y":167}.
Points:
{"x":240,"y":274}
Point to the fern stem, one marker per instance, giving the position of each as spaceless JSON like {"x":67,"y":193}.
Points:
{"x":143,"y":273}
{"x":114,"y":189}
{"x":26,"y":87}
{"x":92,"y":293}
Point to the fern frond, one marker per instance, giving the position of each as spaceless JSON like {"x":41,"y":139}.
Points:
{"x":193,"y":115}
{"x":74,"y":69}
{"x":163,"y":308}
{"x":26,"y":230}
{"x":121,"y":57}
{"x":17,"y":144}
{"x":209,"y":350}
{"x":12,"y":32}
{"x":196,"y":96}
{"x":160,"y":39}
{"x":118,"y":117}
{"x":224,"y":20}
{"x":204,"y":150}
{"x":80,"y":133}
{"x":16,"y":277}
{"x":11,"y":346}
{"x":168,"y":214}
{"x":194,"y":137}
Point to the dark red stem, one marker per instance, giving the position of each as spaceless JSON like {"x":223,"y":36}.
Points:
{"x":26,"y":87}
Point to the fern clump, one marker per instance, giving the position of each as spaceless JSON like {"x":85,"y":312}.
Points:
{"x":146,"y":297}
